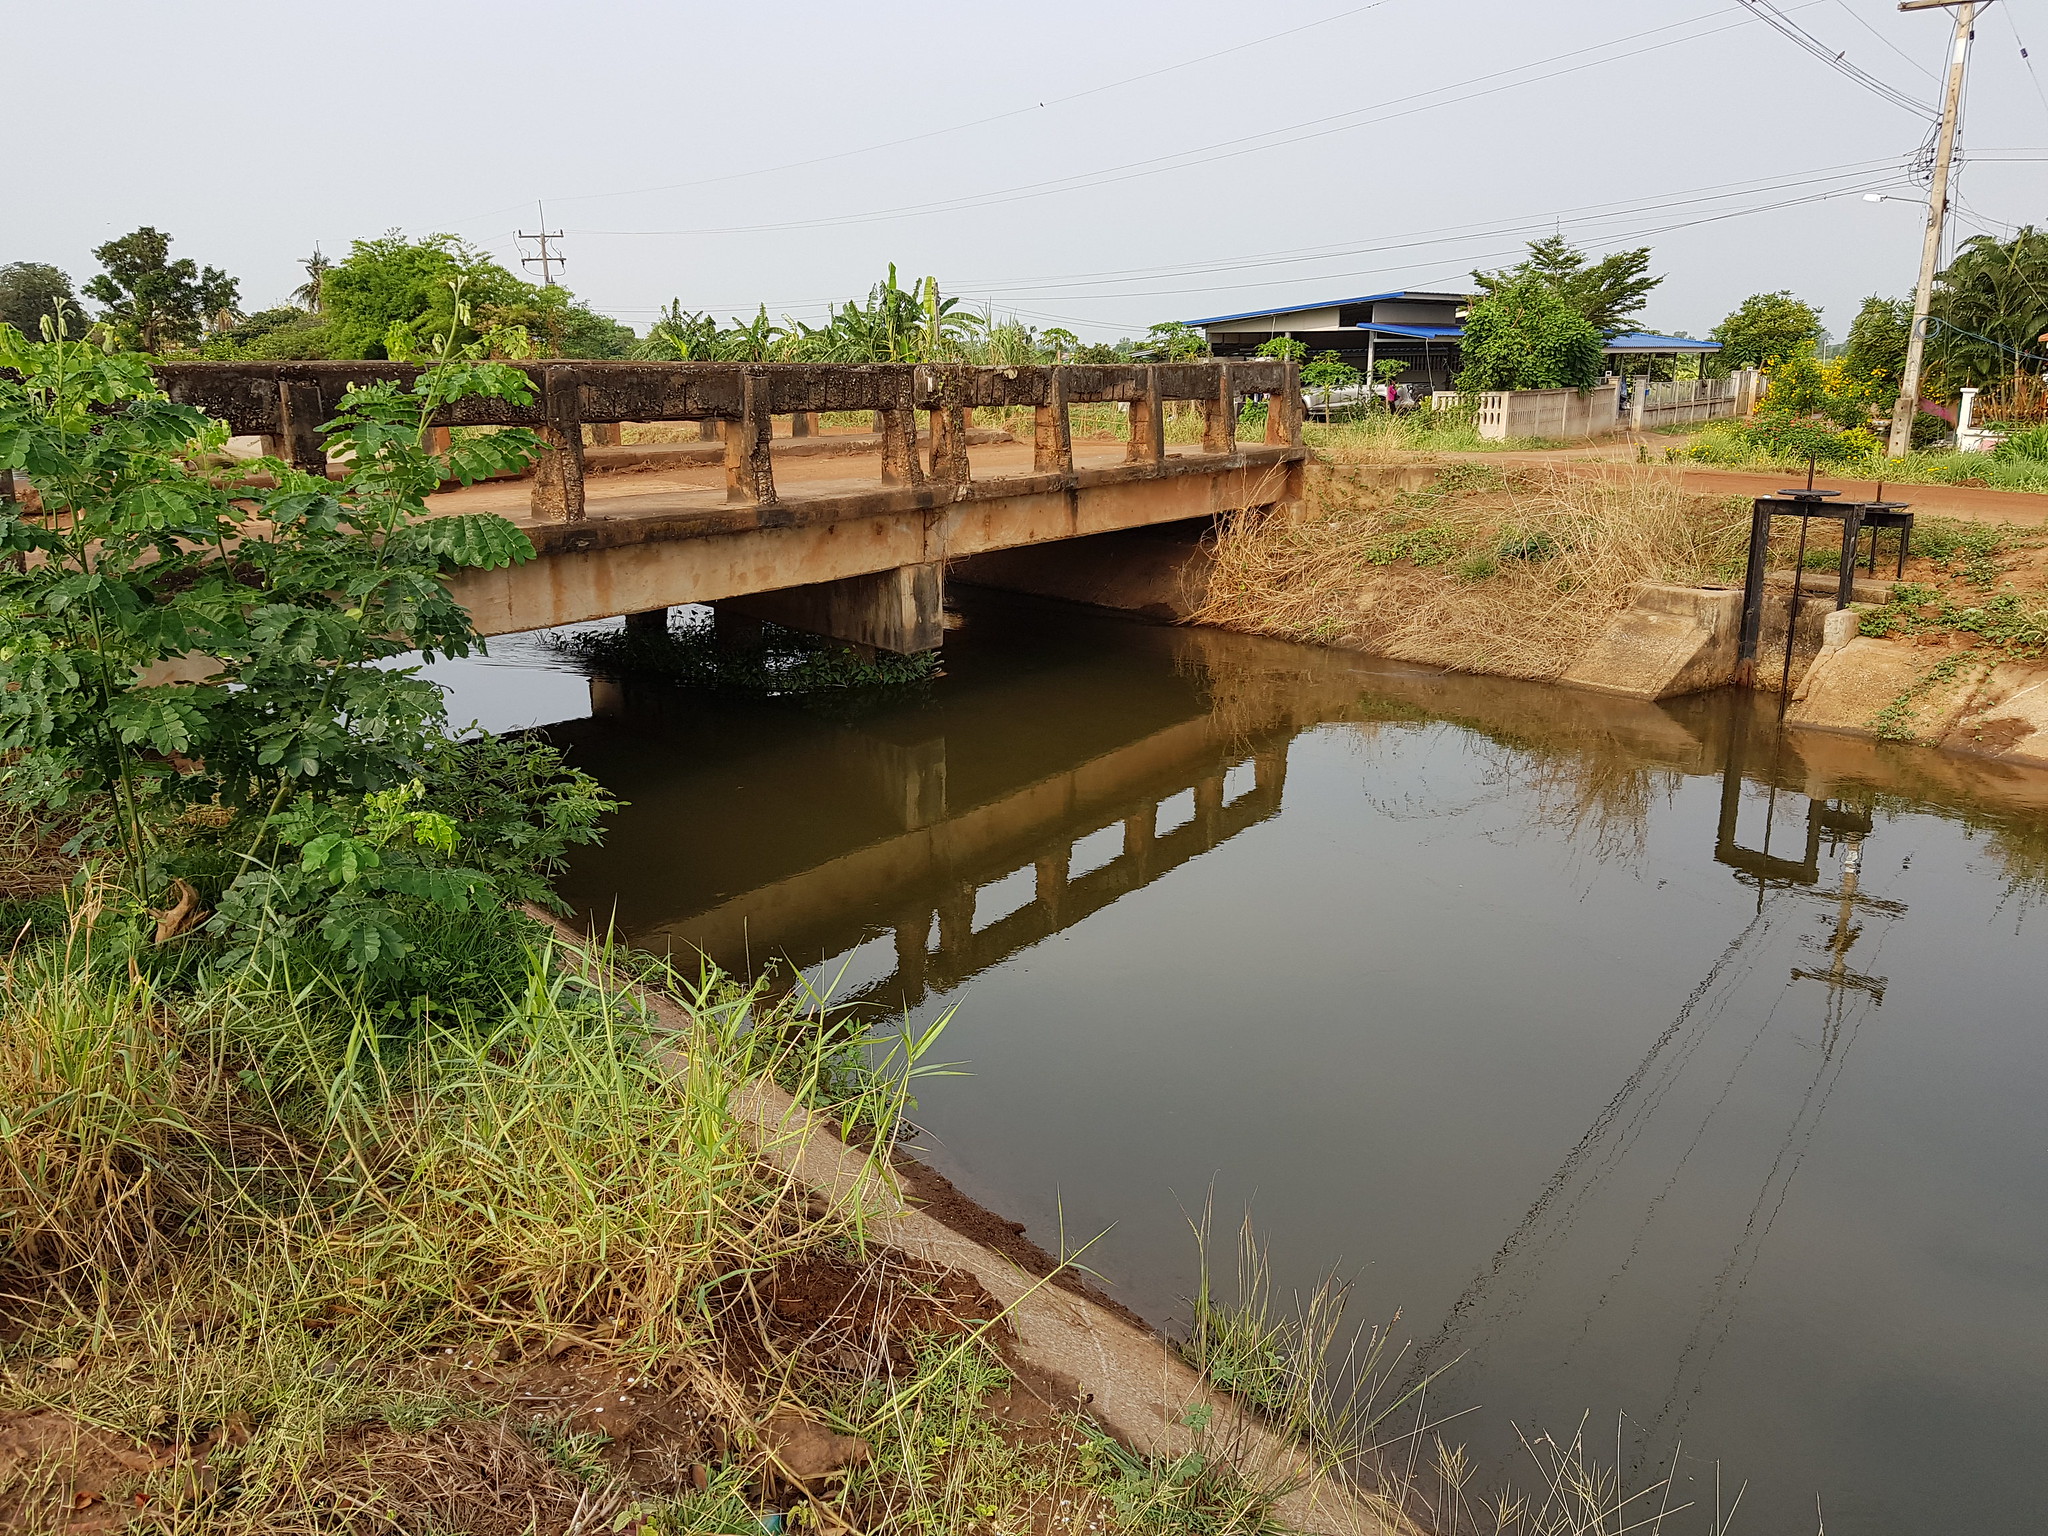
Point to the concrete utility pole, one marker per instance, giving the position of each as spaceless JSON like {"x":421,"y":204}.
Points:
{"x":547,"y":260}
{"x":1908,"y":403}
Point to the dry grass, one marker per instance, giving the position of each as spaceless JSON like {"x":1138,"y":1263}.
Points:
{"x":1506,"y":571}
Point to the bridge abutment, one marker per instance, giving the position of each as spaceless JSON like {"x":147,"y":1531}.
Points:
{"x":900,"y":610}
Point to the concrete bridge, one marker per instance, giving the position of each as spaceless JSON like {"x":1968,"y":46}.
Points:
{"x":847,"y":536}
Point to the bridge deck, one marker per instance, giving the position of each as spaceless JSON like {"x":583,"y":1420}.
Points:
{"x":659,"y":537}
{"x":667,"y":491}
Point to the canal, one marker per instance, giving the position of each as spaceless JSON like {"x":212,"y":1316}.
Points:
{"x":1641,"y":1064}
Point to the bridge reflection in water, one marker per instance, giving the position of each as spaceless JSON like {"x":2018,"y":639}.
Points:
{"x":951,"y":832}
{"x":1059,"y":767}
{"x":1555,"y":999}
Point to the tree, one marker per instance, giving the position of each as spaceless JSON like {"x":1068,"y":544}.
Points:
{"x":395,"y":292}
{"x":1525,"y":334}
{"x":1608,"y":292}
{"x":1766,"y":327}
{"x":307,"y":294}
{"x":33,"y":290}
{"x":1060,"y":342}
{"x":1990,"y":310}
{"x":1329,"y":371}
{"x":153,"y":302}
{"x":1875,"y":356}
{"x":304,"y":723}
{"x":1172,"y":341}
{"x":1286,"y":348}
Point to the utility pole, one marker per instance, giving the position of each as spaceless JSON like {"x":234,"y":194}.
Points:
{"x":547,"y":260}
{"x":1908,"y":403}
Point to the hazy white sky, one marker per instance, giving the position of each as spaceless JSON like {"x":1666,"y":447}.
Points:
{"x":1100,"y":166}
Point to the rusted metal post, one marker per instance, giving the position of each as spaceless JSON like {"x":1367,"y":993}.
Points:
{"x":1219,"y":414}
{"x":1753,"y":593}
{"x":299,"y":404}
{"x":1052,"y":437}
{"x":1148,"y":424}
{"x":558,"y":477}
{"x":749,"y":470}
{"x":1852,"y":531}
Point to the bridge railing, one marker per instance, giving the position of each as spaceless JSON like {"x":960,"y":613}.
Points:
{"x":289,"y":401}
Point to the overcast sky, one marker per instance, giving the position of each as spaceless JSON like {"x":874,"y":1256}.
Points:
{"x":1099,"y":166}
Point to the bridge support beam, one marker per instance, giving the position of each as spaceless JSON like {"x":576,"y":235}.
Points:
{"x":900,"y":610}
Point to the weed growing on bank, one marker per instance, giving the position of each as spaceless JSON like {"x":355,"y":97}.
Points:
{"x":1511,"y":571}
{"x":1860,"y":455}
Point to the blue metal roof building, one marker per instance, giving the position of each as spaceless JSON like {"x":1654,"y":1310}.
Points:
{"x":1419,"y":328}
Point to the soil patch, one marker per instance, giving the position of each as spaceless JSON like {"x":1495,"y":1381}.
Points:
{"x":935,"y":1194}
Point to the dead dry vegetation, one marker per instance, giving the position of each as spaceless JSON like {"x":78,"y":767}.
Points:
{"x":1510,"y":571}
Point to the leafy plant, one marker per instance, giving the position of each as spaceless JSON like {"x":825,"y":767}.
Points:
{"x":1330,"y":371}
{"x":1607,"y":293}
{"x":153,"y":302}
{"x":290,"y":600}
{"x":1525,"y":334}
{"x":1285,"y":348}
{"x":1990,"y":309}
{"x":32,"y":291}
{"x":1766,"y":327}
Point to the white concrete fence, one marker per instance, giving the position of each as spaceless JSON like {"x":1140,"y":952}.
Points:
{"x":1592,"y":412}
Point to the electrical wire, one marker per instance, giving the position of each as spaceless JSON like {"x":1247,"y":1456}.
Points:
{"x":1895,"y":48}
{"x":933,"y":133}
{"x":1588,"y":213}
{"x":1782,"y":24}
{"x":1225,"y":149}
{"x":2025,"y":57}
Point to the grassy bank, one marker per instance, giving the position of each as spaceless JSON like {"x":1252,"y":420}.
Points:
{"x":275,"y":1258}
{"x":1738,"y":446}
{"x":1510,"y":571}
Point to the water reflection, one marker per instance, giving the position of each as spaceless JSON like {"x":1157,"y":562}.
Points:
{"x":1541,"y":1006}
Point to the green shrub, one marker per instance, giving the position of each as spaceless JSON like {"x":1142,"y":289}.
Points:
{"x":2031,"y":445}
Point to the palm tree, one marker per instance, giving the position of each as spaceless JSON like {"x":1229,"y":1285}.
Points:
{"x":308,"y":293}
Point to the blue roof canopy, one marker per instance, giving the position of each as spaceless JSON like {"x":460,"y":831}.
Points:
{"x":1426,"y":332}
{"x":1295,"y":309}
{"x":1649,"y":341}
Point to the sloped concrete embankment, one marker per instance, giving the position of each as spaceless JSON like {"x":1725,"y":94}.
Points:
{"x":1132,"y":1382}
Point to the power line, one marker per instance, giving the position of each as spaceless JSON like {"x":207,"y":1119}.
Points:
{"x":2025,"y":57}
{"x":1782,"y":24}
{"x":1895,"y":48}
{"x":546,"y":260}
{"x":1227,"y":149}
{"x":1856,"y":171}
{"x":979,"y":122}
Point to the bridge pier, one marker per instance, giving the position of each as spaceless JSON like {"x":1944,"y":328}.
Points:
{"x":900,"y":610}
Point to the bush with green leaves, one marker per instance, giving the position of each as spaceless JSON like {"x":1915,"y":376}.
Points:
{"x":1525,"y":335}
{"x":289,"y":602}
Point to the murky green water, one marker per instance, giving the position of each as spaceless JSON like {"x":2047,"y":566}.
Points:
{"x":1648,"y":1064}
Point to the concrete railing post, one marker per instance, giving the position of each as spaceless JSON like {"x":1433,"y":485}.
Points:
{"x":899,"y":447}
{"x":299,"y":404}
{"x":1052,"y":440}
{"x":1148,"y":424}
{"x":949,"y":432}
{"x":558,"y":477}
{"x":749,"y":470}
{"x":1283,"y":409}
{"x":1219,"y":414}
